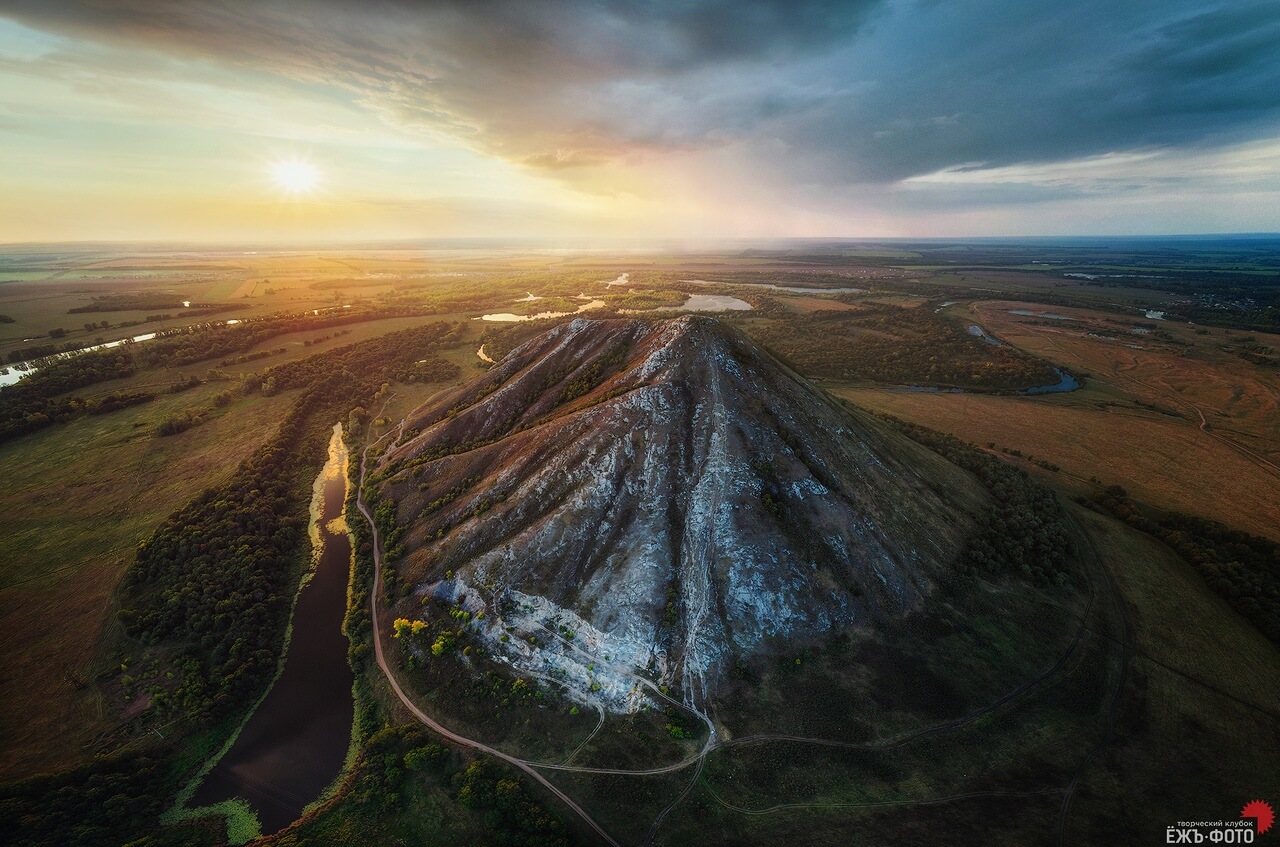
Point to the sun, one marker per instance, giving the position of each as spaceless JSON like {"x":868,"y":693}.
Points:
{"x":295,"y":176}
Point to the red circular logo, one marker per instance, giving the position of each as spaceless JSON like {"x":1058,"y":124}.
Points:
{"x":1261,"y":812}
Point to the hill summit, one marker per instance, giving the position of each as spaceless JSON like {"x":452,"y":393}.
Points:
{"x":629,"y":501}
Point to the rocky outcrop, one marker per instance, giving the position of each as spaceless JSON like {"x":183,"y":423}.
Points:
{"x":655,"y":500}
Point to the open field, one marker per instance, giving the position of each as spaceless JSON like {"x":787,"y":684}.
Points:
{"x":245,"y":286}
{"x":291,"y":346}
{"x":1185,"y":417}
{"x":1200,"y":710}
{"x":76,"y":501}
{"x":1189,"y":369}
{"x":1137,"y":422}
{"x":1162,"y":461}
{"x":79,"y":497}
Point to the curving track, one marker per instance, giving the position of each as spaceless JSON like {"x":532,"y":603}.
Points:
{"x":713,"y":742}
{"x":426,"y":719}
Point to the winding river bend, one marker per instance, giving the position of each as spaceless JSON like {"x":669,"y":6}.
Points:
{"x":294,"y":745}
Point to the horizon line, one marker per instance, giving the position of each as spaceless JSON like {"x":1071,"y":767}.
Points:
{"x":605,"y":241}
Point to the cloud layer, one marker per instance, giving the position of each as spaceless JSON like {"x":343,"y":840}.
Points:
{"x":846,"y":107}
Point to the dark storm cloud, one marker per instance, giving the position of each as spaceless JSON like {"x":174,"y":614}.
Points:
{"x":810,"y":92}
{"x":607,"y":36}
{"x":1224,"y":59}
{"x":1007,"y":83}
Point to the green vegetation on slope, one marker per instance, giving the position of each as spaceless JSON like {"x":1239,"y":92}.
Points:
{"x":408,"y":788}
{"x":1243,"y":569}
{"x":1022,"y":533}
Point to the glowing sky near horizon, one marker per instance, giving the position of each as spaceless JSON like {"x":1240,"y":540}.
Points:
{"x":146,"y":120}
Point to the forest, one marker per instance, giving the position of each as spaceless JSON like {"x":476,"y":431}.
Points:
{"x":1022,"y":533}
{"x":35,"y":402}
{"x":107,"y":802}
{"x":398,"y":765}
{"x":207,"y":598}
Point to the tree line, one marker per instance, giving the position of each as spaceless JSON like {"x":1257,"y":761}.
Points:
{"x":35,"y":402}
{"x":1241,"y":568}
{"x":139,"y":303}
{"x":1022,"y":533}
{"x":208,"y":596}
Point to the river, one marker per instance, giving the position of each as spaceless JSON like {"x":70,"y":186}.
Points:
{"x":1066,"y":382}
{"x":294,"y":744}
{"x":11,"y":373}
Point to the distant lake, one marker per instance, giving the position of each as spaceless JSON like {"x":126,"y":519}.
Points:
{"x":714,"y":303}
{"x":508,"y":317}
{"x":795,"y":289}
{"x":1027,"y":313}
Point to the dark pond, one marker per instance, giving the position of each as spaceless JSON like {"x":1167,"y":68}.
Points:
{"x":294,"y":745}
{"x":1066,"y":382}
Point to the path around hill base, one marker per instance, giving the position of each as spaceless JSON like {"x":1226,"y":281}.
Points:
{"x":532,"y":768}
{"x":423,"y":716}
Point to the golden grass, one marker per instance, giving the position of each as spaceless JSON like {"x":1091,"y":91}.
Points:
{"x":246,"y":289}
{"x":1161,"y":460}
{"x":1239,"y":400}
{"x":1161,"y":455}
{"x":806,"y":305}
